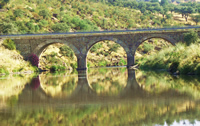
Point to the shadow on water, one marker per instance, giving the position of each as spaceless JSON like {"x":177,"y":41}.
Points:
{"x":103,"y":96}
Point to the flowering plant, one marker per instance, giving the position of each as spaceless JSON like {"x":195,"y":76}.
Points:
{"x":34,"y":60}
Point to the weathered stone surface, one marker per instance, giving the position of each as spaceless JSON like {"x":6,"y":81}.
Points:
{"x":81,"y":43}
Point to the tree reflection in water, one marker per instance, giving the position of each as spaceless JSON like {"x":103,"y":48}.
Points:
{"x":135,"y":103}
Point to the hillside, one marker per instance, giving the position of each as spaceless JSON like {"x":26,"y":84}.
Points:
{"x":24,"y":16}
{"x":44,"y":16}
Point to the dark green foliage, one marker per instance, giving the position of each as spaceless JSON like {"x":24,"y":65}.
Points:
{"x":173,"y":67}
{"x":114,"y":48}
{"x":74,"y":65}
{"x":60,"y":27}
{"x":191,"y":37}
{"x":18,"y":13}
{"x":55,"y":68}
{"x":164,"y":2}
{"x":66,"y":51}
{"x":95,"y":47}
{"x":148,"y":47}
{"x":196,"y":19}
{"x":9,"y":44}
{"x":43,"y":23}
{"x":44,"y":13}
{"x":9,"y":28}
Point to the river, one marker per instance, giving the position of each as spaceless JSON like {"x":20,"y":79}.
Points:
{"x":100,"y":97}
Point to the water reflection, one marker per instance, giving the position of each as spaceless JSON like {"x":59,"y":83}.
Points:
{"x":108,"y":81}
{"x":58,"y":85}
{"x":114,"y":96}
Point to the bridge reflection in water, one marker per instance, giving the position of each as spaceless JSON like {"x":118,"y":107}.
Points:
{"x":84,"y":93}
{"x":83,"y":99}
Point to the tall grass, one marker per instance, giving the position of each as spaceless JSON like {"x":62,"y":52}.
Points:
{"x":181,"y":58}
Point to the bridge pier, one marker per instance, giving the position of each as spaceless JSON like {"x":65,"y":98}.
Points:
{"x":130,"y":61}
{"x":82,"y":63}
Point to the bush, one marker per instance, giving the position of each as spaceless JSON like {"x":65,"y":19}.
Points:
{"x":66,"y":51}
{"x":55,"y":68}
{"x":60,"y":27}
{"x":18,"y":13}
{"x":44,"y":13}
{"x":95,"y":47}
{"x":190,"y":37}
{"x":148,"y":47}
{"x":9,"y":44}
{"x":34,"y":60}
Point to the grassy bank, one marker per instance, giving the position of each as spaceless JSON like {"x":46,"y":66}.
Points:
{"x":12,"y":62}
{"x":179,"y":59}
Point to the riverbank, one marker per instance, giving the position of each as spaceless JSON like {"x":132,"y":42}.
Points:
{"x":179,"y":59}
{"x":11,"y":62}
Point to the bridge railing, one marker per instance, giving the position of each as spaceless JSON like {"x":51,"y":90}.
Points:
{"x":106,"y":31}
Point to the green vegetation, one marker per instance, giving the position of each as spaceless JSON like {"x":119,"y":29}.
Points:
{"x":66,"y":51}
{"x":21,"y":17}
{"x":180,"y":58}
{"x":106,"y":53}
{"x":58,"y":57}
{"x":3,"y":70}
{"x":9,"y":44}
{"x":191,"y":37}
{"x":55,"y":68}
{"x":63,"y":16}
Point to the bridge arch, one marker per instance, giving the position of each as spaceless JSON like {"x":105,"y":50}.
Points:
{"x":99,"y":39}
{"x":105,"y":38}
{"x":150,"y":36}
{"x":38,"y":50}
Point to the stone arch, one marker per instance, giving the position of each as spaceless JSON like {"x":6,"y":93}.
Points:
{"x":165,"y":37}
{"x":116,"y":40}
{"x":99,"y":39}
{"x":38,"y":50}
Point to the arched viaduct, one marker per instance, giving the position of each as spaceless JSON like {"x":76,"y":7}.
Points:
{"x":81,"y":43}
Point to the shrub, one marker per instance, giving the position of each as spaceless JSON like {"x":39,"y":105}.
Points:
{"x":60,"y":27}
{"x":190,"y":37}
{"x":114,"y":48}
{"x":55,"y":68}
{"x":66,"y":51}
{"x":96,"y":47}
{"x":148,"y":47}
{"x":34,"y":60}
{"x":9,"y":44}
{"x":44,"y":13}
{"x":18,"y":13}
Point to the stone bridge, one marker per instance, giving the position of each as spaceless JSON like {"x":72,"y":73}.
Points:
{"x":81,"y":43}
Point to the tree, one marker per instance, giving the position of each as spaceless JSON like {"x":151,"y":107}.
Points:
{"x":191,"y":37}
{"x":164,"y":2}
{"x":153,"y":1}
{"x":164,"y":11}
{"x":187,"y":11}
{"x":196,"y":18}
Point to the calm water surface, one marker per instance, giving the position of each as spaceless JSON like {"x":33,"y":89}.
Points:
{"x":100,"y":97}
